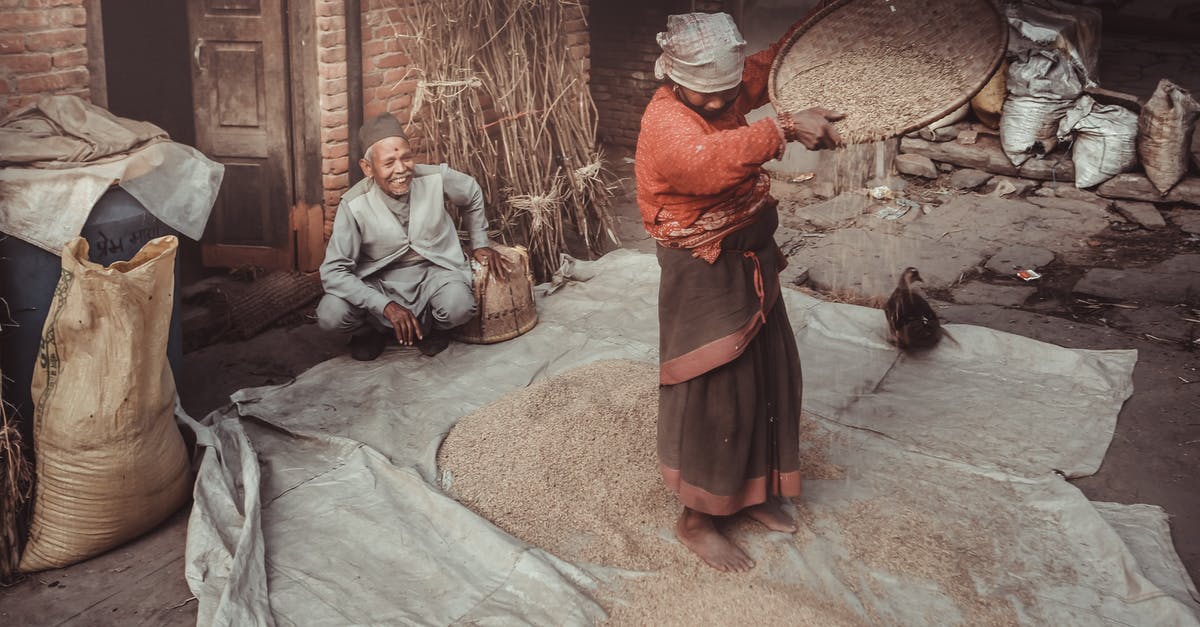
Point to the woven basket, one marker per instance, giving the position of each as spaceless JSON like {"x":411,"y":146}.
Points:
{"x":506,"y":308}
{"x":971,"y":34}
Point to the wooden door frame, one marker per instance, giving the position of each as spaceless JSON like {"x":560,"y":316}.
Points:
{"x":307,"y":216}
{"x":306,"y":199}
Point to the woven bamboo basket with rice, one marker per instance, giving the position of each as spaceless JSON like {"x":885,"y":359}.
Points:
{"x":892,"y":66}
{"x":506,"y":308}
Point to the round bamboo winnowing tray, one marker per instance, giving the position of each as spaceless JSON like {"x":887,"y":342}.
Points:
{"x":892,"y":66}
{"x":506,"y":308}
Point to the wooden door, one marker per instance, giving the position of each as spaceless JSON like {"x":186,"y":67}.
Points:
{"x":240,"y":93}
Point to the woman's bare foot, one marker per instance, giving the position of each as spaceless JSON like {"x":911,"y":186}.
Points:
{"x":772,"y":516}
{"x":697,"y":532}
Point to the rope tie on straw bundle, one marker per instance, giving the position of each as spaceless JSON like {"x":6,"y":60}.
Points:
{"x":430,"y":90}
{"x":541,"y":208}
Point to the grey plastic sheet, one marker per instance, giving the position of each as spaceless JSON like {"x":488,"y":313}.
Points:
{"x":341,"y":521}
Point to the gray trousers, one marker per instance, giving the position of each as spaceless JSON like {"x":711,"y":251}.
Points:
{"x":452,"y":305}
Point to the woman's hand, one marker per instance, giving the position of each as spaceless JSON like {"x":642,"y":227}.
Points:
{"x":812,"y":127}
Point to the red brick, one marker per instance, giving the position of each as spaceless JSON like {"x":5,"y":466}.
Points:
{"x":52,"y":82}
{"x":25,"y":21}
{"x":575,"y":39}
{"x":332,"y":38}
{"x":371,"y":80}
{"x":333,"y":23}
{"x":392,"y":60}
{"x":332,"y":70}
{"x":335,"y":54}
{"x":335,"y":102}
{"x":29,"y":63}
{"x":393,"y":89}
{"x":337,"y":134}
{"x":333,"y":119}
{"x":400,"y":75}
{"x":74,"y":57}
{"x":334,"y":167}
{"x":11,"y":42}
{"x":66,"y":16}
{"x":3,"y":87}
{"x":400,"y":104}
{"x":329,"y":9}
{"x":41,"y":4}
{"x":338,"y":150}
{"x":336,"y":180}
{"x":333,"y":86}
{"x":55,"y":39}
{"x":379,"y":46}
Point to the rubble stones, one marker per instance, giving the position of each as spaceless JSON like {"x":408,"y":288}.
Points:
{"x":1138,"y":187}
{"x":1144,"y":213}
{"x":1097,"y":207}
{"x":968,"y":179}
{"x":1174,"y":281}
{"x":1186,"y":219}
{"x":1013,"y":258}
{"x":977,"y":293}
{"x":916,"y":165}
{"x":837,"y":211}
{"x":945,"y":167}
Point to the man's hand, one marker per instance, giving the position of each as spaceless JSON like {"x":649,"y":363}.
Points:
{"x":497,"y":265}
{"x":404,"y":323}
{"x":812,"y":128}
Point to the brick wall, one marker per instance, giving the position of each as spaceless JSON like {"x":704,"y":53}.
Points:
{"x":623,"y":52}
{"x":42,"y":50}
{"x":335,"y":132}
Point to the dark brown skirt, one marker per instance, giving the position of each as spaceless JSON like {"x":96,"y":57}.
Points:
{"x":728,"y":438}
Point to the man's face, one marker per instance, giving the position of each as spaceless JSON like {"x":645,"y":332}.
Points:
{"x":709,"y":106}
{"x":391,"y":165}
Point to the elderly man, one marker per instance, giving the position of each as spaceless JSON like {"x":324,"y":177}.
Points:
{"x":729,"y":396}
{"x":394,"y":260}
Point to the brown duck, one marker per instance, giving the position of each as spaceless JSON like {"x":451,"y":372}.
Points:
{"x":912,"y":323}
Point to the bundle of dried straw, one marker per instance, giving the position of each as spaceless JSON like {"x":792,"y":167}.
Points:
{"x":16,"y":487}
{"x":500,"y":97}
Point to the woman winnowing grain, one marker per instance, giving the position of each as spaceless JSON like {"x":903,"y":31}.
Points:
{"x":729,"y":400}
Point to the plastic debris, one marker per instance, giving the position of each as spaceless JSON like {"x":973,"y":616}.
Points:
{"x":1029,"y":275}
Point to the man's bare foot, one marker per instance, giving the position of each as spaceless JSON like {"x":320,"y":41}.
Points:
{"x":772,"y":516}
{"x":697,"y":532}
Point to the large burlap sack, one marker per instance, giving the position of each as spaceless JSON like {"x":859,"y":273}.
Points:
{"x":1042,"y":87}
{"x":1165,"y":134}
{"x":989,"y":102}
{"x":111,"y":464}
{"x":1105,"y":140}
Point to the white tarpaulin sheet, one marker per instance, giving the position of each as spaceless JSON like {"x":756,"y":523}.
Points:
{"x":317,"y":503}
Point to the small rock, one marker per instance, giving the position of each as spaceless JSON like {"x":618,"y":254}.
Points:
{"x":1187,"y":219}
{"x":1020,"y":186}
{"x":1074,"y":205}
{"x":916,"y":165}
{"x":1068,"y":190}
{"x":1013,"y":258}
{"x":894,"y":183}
{"x":945,"y":167}
{"x":1044,"y":192}
{"x":969,"y":179}
{"x":976,"y":293}
{"x":1144,"y":213}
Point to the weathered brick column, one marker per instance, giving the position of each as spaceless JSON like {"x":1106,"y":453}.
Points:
{"x":42,"y":50}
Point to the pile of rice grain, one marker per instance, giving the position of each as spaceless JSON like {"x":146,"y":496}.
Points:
{"x":881,"y":89}
{"x":569,"y":465}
